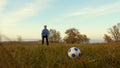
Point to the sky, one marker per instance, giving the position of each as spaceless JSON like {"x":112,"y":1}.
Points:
{"x":26,"y":18}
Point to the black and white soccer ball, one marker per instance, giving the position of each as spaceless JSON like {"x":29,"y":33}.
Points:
{"x":74,"y":52}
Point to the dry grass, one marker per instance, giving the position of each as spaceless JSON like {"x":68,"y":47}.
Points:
{"x":32,"y":55}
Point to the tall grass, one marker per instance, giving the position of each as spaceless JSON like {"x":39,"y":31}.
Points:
{"x":55,"y":56}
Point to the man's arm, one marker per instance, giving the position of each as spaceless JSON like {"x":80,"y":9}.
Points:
{"x":48,"y":33}
{"x":42,"y":33}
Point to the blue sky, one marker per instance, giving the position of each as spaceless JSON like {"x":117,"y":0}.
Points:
{"x":27,"y":17}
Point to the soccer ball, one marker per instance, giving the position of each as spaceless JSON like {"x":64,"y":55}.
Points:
{"x":74,"y":52}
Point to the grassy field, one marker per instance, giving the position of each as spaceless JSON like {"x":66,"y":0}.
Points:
{"x":34,"y":55}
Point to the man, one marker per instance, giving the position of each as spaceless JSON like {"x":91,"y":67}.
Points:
{"x":45,"y":34}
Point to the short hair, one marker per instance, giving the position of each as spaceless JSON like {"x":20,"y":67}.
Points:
{"x":45,"y":25}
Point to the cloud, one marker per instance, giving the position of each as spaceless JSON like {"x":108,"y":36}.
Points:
{"x":109,"y":8}
{"x":102,"y":10}
{"x":30,"y":9}
{"x":2,"y":4}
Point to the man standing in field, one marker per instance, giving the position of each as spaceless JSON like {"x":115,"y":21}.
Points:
{"x":45,"y":34}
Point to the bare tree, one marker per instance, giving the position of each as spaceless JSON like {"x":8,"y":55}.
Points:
{"x":4,"y":37}
{"x":118,"y":25}
{"x":107,"y":38}
{"x":19,"y":38}
{"x":74,"y":36}
{"x":115,"y":32}
{"x":54,"y":36}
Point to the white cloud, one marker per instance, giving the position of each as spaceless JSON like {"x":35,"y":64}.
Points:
{"x":102,"y":10}
{"x":109,"y":8}
{"x":2,"y":4}
{"x":30,"y":9}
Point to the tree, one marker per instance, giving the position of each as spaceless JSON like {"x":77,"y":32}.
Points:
{"x":84,"y":39}
{"x":54,"y":36}
{"x":115,"y":32}
{"x":19,"y":38}
{"x":118,"y":25}
{"x":107,"y":38}
{"x":74,"y":36}
{"x":0,"y":37}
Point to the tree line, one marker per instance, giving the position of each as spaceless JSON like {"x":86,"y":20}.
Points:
{"x":72,"y":36}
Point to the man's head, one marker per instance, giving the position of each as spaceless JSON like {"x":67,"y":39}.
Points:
{"x":45,"y":26}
